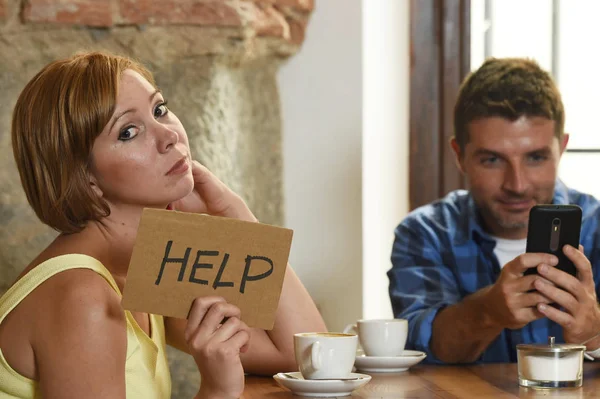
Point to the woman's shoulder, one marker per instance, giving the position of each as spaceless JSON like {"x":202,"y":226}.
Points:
{"x":75,"y":300}
{"x":77,"y":285}
{"x":49,"y":313}
{"x":62,"y":292}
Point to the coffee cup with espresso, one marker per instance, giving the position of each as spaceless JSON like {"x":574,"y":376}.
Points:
{"x":324,"y":356}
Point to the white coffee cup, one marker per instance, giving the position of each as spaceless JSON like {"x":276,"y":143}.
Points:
{"x":381,"y":337}
{"x":325,"y":356}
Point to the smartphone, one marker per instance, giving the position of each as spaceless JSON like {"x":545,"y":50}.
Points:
{"x":551,"y":227}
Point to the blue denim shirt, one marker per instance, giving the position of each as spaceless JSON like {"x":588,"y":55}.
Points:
{"x":441,"y":254}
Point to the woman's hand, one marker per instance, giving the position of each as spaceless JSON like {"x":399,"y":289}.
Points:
{"x":213,"y":197}
{"x":216,"y":336}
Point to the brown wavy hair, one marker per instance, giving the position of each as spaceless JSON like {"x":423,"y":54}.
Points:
{"x":508,"y":88}
{"x":57,"y":117}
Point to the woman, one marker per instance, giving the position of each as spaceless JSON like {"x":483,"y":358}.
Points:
{"x":95,"y":143}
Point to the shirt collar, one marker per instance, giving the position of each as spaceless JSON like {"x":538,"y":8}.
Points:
{"x":561,"y":193}
{"x":471,"y":228}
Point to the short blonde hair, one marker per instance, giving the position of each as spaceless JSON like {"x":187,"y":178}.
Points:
{"x":56,"y":120}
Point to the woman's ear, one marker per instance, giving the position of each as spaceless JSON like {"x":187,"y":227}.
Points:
{"x":94,"y":185}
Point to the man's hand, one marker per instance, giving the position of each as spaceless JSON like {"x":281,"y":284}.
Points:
{"x":579,"y":316}
{"x":478,"y":319}
{"x":511,"y":302}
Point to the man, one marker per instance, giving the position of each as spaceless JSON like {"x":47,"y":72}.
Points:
{"x":458,"y":263}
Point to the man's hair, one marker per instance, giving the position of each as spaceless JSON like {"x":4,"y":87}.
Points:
{"x":509,"y":88}
{"x":57,"y":117}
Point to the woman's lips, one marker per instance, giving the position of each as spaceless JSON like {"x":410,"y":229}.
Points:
{"x":180,"y":167}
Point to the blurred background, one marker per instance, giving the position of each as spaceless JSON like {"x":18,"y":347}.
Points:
{"x":330,"y":117}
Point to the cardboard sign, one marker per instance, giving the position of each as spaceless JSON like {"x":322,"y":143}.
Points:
{"x":179,"y":256}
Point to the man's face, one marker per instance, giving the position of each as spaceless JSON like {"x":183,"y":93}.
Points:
{"x":510,"y":166}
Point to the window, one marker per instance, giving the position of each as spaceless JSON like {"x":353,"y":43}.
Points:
{"x":555,"y":33}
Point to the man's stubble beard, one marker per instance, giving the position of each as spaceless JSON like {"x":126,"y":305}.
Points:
{"x":505,"y":222}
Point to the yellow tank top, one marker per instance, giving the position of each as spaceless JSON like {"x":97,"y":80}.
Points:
{"x":146,"y":368}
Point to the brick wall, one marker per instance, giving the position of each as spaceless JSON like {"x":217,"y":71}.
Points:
{"x":286,"y":19}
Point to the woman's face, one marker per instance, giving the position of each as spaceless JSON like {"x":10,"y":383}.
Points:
{"x":142,"y":156}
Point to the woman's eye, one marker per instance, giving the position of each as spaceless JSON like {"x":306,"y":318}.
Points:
{"x":161,"y":110}
{"x":128,"y":133}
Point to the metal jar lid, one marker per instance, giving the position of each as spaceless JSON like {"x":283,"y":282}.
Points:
{"x":551,"y":347}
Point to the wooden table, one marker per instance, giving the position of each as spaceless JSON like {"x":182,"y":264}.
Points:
{"x":444,"y":382}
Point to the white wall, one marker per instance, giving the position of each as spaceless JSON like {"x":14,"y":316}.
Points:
{"x":386,"y":33}
{"x":322,"y":103}
{"x":321,"y":96}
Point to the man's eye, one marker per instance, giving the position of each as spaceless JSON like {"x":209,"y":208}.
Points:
{"x":161,"y":110}
{"x":490,"y":160}
{"x":537,"y":158}
{"x":128,"y":133}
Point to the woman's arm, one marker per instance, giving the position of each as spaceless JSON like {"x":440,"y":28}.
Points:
{"x":269,"y":351}
{"x":272,"y":351}
{"x":80,"y":338}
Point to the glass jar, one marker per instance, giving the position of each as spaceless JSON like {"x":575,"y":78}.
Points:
{"x":550,"y":366}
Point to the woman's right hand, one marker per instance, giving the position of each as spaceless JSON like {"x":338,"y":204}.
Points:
{"x":216,"y":336}
{"x":211,"y":196}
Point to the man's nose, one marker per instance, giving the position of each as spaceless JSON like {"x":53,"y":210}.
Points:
{"x":515,"y":179}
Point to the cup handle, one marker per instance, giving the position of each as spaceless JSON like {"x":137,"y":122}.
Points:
{"x":315,"y":355}
{"x":351,"y":328}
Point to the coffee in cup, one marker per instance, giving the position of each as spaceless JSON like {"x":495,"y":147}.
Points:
{"x":324,"y":356}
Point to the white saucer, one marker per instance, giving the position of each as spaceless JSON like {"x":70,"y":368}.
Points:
{"x":320,"y":388}
{"x":388,"y":364}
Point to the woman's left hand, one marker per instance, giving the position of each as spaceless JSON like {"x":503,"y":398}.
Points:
{"x":213,"y":197}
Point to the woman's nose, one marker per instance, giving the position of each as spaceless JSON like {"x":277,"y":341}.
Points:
{"x":165,"y":138}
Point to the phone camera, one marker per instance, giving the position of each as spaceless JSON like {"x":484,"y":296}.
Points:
{"x":556,"y":222}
